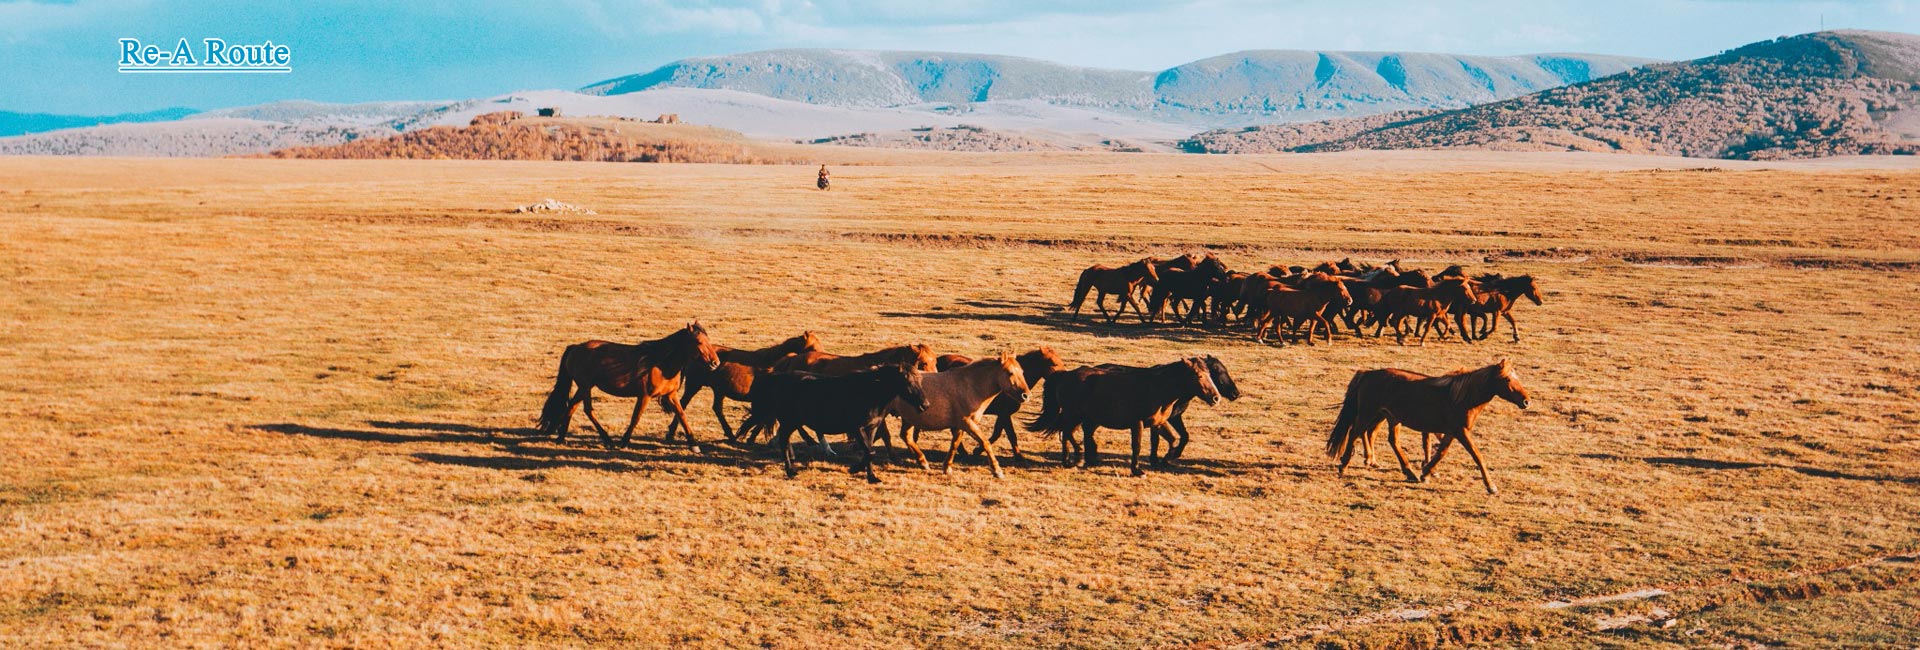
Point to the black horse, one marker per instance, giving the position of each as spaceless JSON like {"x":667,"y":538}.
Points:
{"x":852,"y":404}
{"x":1221,"y":381}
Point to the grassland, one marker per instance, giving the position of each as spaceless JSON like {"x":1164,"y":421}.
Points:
{"x":267,"y":402}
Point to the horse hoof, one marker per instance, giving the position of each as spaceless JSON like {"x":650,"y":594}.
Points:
{"x":873,"y":480}
{"x":1138,"y":472}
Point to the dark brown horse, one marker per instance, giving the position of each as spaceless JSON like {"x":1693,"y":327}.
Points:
{"x":907,"y":357}
{"x":854,"y":404}
{"x":650,"y":370}
{"x":1124,"y":281}
{"x":1446,"y":405}
{"x":1091,"y":398}
{"x":1426,"y":306}
{"x":733,"y":380}
{"x":1190,"y":285}
{"x":1513,"y":289}
{"x":1222,"y":380}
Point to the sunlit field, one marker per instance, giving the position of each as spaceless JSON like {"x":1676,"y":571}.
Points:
{"x":254,"y":402}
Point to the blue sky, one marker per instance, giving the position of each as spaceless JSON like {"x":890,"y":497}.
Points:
{"x":60,"y":56}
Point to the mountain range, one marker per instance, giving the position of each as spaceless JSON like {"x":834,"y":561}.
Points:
{"x":1827,"y":93}
{"x":1820,"y":94}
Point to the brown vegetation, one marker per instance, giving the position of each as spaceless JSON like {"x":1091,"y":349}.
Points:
{"x":256,"y":402}
{"x":509,"y":135}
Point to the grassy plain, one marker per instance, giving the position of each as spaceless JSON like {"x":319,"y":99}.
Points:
{"x":266,"y":402}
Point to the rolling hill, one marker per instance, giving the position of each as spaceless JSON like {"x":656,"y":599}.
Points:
{"x":23,"y":123}
{"x":1235,"y":89}
{"x":1821,"y":94}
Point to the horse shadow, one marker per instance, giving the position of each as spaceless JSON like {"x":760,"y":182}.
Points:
{"x":1051,"y":316}
{"x":1732,"y":465}
{"x":519,"y":451}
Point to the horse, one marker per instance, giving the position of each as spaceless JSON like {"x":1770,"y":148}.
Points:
{"x":734,"y":378}
{"x":1124,"y":280}
{"x":854,"y":404}
{"x":955,"y":400}
{"x":1035,"y":365}
{"x":1193,"y":285}
{"x":1222,"y":380}
{"x":1513,"y":289}
{"x":1446,"y":405}
{"x":1318,"y":298}
{"x":908,"y":357}
{"x":649,"y":370}
{"x":1090,"y":398}
{"x":1426,"y":306}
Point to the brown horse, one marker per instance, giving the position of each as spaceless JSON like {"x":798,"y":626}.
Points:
{"x":1091,"y":398}
{"x":1317,"y":298}
{"x":1425,"y":305}
{"x":734,"y":378}
{"x":1513,"y":289}
{"x":955,"y":400}
{"x":1222,"y":380}
{"x":1124,"y":280}
{"x":1035,"y":364}
{"x":650,"y":370}
{"x":1445,"y":405}
{"x":907,"y":357}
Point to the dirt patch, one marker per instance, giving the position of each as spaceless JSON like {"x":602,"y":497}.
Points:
{"x":1551,"y":255}
{"x":1692,"y":261}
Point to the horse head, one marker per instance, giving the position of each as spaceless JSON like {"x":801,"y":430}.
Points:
{"x":1203,"y":381}
{"x":1507,"y":385}
{"x":923,"y":358}
{"x":1217,"y":371}
{"x":701,"y":346}
{"x":807,"y":342}
{"x":1039,"y":363}
{"x":1212,"y":267}
{"x":903,"y":384}
{"x":1527,"y":288}
{"x":1014,"y":380}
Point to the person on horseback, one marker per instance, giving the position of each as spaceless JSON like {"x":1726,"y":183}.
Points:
{"x":824,"y":177}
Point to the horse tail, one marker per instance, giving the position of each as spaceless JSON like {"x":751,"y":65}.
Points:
{"x":1340,"y":441}
{"x":1051,"y":413}
{"x":1080,"y":290}
{"x":558,"y":413}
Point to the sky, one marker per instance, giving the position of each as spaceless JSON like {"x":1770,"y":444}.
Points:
{"x":60,"y":56}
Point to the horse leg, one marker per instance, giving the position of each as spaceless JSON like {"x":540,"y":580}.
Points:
{"x":586,"y":406}
{"x":1510,"y":323}
{"x":639,"y":405}
{"x":913,"y":444}
{"x":973,"y":429}
{"x":720,"y":414}
{"x":1133,"y":462}
{"x":1326,"y":327}
{"x":680,"y":415}
{"x":1089,"y":450}
{"x":866,"y":453}
{"x":1466,"y":441}
{"x":1003,"y":425}
{"x":1461,"y":320}
{"x":578,"y":397}
{"x":1100,"y":302}
{"x":1446,"y":440}
{"x":1179,"y":447}
{"x":785,"y":440}
{"x":1153,"y":445}
{"x":1128,"y":300}
{"x":1393,"y":440}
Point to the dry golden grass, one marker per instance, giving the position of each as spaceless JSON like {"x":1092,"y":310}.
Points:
{"x":265,"y":402}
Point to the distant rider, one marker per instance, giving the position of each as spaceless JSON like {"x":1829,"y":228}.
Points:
{"x":825,"y":177}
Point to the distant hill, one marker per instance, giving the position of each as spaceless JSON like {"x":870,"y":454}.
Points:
{"x":24,"y":123}
{"x":1240,"y":88}
{"x":511,"y":135}
{"x":1821,"y":94}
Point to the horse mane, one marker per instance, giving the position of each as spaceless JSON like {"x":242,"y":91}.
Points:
{"x":1463,"y":385}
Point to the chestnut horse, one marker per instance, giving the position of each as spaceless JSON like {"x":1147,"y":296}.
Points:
{"x":1090,"y":398}
{"x":955,"y":400}
{"x":734,"y":378}
{"x":1316,"y":299}
{"x":1446,"y":405}
{"x":1124,"y":280}
{"x":650,"y":370}
{"x":907,"y":357}
{"x":1512,"y":289}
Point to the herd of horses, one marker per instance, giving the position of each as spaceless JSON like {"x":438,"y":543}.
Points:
{"x":793,"y":387}
{"x":1196,"y":289}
